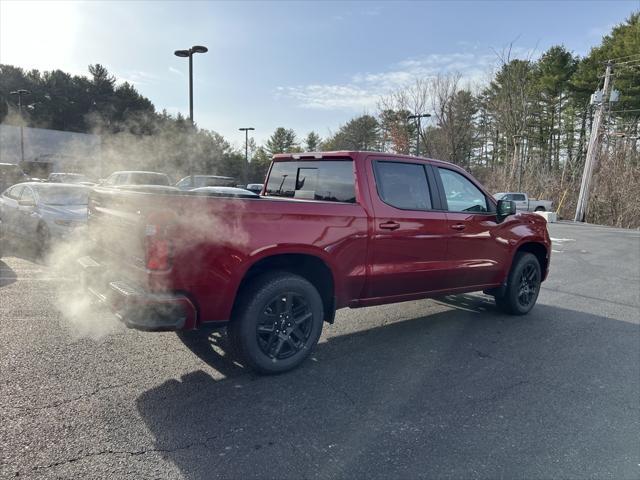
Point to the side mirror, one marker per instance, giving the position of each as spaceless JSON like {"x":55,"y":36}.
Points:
{"x":506,"y":208}
{"x":26,"y":203}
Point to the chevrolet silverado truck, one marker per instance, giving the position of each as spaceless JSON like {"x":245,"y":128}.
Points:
{"x":329,"y":230}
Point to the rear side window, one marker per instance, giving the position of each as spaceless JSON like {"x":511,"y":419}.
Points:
{"x":403,"y":185}
{"x":518,"y":197}
{"x":328,"y":180}
{"x":462,"y":195}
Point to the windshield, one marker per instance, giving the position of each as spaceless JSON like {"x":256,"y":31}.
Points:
{"x":62,"y":195}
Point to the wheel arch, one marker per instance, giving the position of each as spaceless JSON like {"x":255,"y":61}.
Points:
{"x":311,"y":267}
{"x":539,"y":250}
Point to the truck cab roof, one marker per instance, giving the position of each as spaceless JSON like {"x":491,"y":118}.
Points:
{"x":332,"y":155}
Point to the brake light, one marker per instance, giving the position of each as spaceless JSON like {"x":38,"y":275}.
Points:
{"x":158,"y":251}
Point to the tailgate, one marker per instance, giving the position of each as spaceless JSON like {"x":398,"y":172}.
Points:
{"x":117,"y":222}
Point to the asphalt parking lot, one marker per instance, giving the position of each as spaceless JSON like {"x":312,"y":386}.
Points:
{"x":446,"y":388}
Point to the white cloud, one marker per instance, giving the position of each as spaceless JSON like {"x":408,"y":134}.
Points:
{"x":176,"y":71}
{"x":363,"y":90}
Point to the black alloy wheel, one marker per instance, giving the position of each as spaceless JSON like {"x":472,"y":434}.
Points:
{"x":523,"y":285}
{"x":277,"y":321}
{"x":285,"y":326}
{"x":529,"y":285}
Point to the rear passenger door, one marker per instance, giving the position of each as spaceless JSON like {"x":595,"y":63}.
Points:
{"x":475,"y":249}
{"x":408,"y":250}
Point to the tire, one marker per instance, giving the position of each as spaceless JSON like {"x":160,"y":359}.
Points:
{"x":523,"y":285}
{"x":277,"y":322}
{"x":540,"y":209}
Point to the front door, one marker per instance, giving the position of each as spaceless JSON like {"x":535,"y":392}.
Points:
{"x":476,"y":249}
{"x":408,"y":249}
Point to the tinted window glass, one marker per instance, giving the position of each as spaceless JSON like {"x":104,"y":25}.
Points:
{"x":462,"y":195}
{"x":324,"y":180}
{"x":518,"y":197}
{"x":403,"y":185}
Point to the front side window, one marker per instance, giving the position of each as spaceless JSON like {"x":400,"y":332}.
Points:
{"x":462,"y":195}
{"x":328,"y":180}
{"x":403,"y":185}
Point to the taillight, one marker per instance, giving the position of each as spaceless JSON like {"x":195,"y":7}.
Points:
{"x":158,"y":249}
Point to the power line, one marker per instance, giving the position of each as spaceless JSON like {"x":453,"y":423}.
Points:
{"x":625,"y":56}
{"x":635,"y":60}
{"x":624,"y":111}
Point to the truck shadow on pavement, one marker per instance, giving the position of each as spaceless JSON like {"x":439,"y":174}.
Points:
{"x":465,"y":392}
{"x":7,"y":275}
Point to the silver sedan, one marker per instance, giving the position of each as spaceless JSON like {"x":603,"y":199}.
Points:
{"x":41,"y":212}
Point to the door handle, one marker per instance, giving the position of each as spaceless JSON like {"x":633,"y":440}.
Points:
{"x":390,"y":225}
{"x":458,"y":226}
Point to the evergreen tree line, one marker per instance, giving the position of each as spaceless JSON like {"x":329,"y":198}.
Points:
{"x":527,"y":129}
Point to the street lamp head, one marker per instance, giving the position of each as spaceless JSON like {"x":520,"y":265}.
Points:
{"x":418,"y":115}
{"x":20,"y":92}
{"x":245,"y":129}
{"x":199,"y":49}
{"x":181,"y":53}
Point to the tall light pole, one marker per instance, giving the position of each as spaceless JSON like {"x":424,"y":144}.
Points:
{"x":245,"y":170}
{"x":21,"y":93}
{"x":418,"y":117}
{"x":189,"y":53}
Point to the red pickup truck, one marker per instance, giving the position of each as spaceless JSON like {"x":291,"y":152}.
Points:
{"x":329,"y":230}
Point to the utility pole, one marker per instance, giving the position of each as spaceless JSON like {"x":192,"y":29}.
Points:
{"x":245,"y":170}
{"x":592,"y":150}
{"x":418,"y":117}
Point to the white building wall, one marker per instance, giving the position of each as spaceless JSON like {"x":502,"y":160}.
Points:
{"x":63,"y":149}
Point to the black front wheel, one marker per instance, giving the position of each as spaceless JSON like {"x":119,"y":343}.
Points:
{"x":523,"y":285}
{"x":277,"y":322}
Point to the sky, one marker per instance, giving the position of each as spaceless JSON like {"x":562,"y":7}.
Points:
{"x":294,"y":64}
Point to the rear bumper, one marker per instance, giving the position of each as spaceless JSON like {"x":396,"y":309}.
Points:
{"x":135,"y":307}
